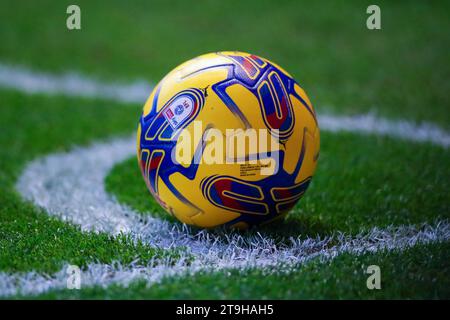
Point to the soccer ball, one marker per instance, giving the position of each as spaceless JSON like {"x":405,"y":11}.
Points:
{"x":228,"y":138}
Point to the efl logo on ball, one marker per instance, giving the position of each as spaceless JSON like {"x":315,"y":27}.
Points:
{"x":228,"y":138}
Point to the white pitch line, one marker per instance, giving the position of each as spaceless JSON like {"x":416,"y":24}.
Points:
{"x":401,"y":129}
{"x":103,"y":275}
{"x":72,"y":84}
{"x":77,"y":85}
{"x":71,"y":186}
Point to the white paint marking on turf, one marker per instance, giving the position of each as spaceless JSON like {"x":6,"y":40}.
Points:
{"x":76,"y":85}
{"x":103,"y":275}
{"x":72,"y":84}
{"x":370,"y":124}
{"x":71,"y":186}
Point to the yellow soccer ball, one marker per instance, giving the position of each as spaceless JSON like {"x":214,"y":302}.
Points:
{"x":228,"y":138}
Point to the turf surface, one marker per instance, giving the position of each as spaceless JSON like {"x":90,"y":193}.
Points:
{"x":400,"y":71}
{"x":29,"y":239}
{"x":354,"y":189}
{"x":402,"y":276}
{"x":361,"y":182}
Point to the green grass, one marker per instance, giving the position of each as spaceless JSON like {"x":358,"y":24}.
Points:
{"x":29,"y":239}
{"x":361,"y":182}
{"x":401,"y":70}
{"x":420,"y":272}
